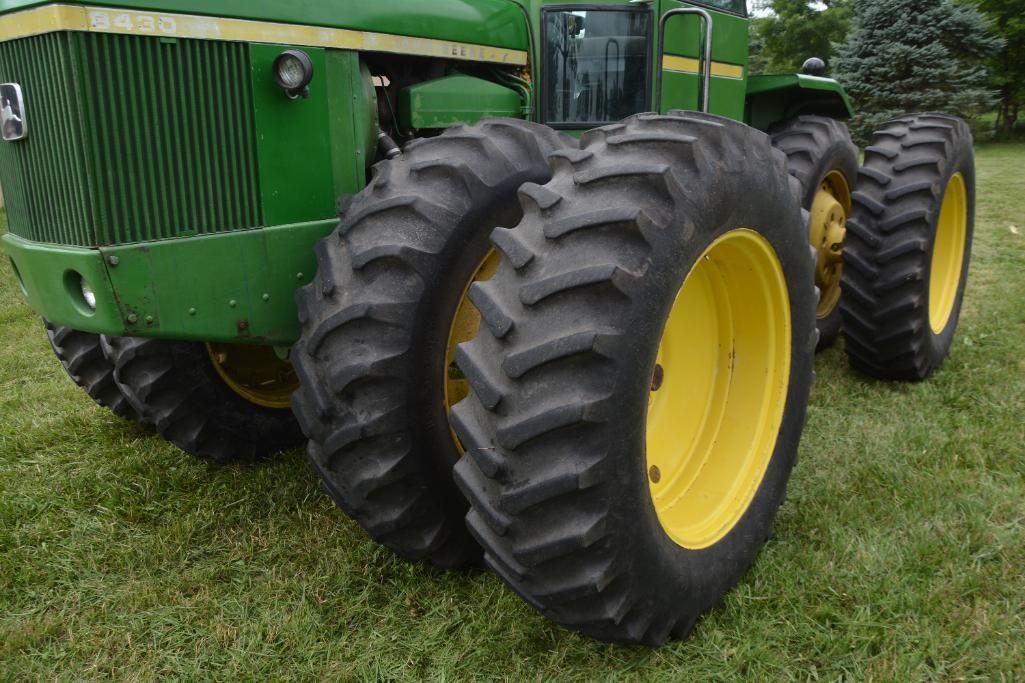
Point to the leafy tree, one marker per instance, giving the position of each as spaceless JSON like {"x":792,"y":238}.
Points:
{"x":1008,"y":66}
{"x":909,"y":55}
{"x":798,"y":29}
{"x":758,"y":62}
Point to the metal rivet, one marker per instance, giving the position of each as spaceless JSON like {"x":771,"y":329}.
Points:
{"x":132,"y":318}
{"x":243,"y":325}
{"x":232,"y":304}
{"x":113,"y":260}
{"x":192,"y":311}
{"x":149,"y":319}
{"x":266,"y":297}
{"x":298,"y":276}
{"x":655,"y":473}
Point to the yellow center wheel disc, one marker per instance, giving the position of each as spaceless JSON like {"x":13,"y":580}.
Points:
{"x":828,"y":229}
{"x":719,"y":389}
{"x":948,"y":254}
{"x":255,"y":373}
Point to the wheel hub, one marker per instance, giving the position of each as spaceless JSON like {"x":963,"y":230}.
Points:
{"x":719,"y":389}
{"x":255,"y":373}
{"x":948,"y":254}
{"x":828,"y":229}
{"x":465,"y":325}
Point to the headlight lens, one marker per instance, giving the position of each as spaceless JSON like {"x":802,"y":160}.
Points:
{"x":293,"y":71}
{"x":88,"y":294}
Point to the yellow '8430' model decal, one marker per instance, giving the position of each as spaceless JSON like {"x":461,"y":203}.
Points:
{"x":126,"y":22}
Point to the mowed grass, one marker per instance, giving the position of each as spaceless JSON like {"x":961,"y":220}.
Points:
{"x":899,"y":555}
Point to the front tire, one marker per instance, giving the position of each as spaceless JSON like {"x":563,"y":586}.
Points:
{"x":81,"y":355}
{"x":651,"y":323}
{"x":184,"y":389}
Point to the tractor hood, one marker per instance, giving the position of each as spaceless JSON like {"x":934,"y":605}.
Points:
{"x":500,"y":23}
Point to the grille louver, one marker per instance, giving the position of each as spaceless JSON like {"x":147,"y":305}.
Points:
{"x":130,"y":139}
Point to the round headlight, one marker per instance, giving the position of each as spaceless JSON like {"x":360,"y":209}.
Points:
{"x":293,"y":71}
{"x":88,"y":294}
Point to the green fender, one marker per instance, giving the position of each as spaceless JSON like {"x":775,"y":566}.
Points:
{"x":773,"y":98}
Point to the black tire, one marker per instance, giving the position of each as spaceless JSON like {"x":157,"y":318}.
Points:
{"x":174,"y":386}
{"x":562,"y":370}
{"x":815,"y":146}
{"x":81,"y":355}
{"x":890,"y":239}
{"x":376,"y":321}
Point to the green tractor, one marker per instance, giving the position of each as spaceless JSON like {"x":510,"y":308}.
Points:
{"x":566,"y":323}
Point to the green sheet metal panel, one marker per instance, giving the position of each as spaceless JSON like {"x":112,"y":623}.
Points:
{"x":729,"y":49}
{"x":232,"y":287}
{"x":455,"y":99}
{"x":774,"y":97}
{"x":293,"y":142}
{"x":488,"y":22}
{"x":352,"y":120}
{"x":48,"y":275}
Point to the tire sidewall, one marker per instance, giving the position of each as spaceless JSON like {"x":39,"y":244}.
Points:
{"x":705,"y":574}
{"x":962,"y":161}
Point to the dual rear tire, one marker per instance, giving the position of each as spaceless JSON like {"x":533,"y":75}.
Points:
{"x":379,"y":325}
{"x":909,"y":246}
{"x":639,"y":387}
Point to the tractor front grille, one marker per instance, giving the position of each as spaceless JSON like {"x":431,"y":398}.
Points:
{"x":130,"y":139}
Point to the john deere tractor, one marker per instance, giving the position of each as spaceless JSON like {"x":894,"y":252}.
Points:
{"x":540,"y":283}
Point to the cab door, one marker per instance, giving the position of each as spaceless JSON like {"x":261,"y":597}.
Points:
{"x":681,"y":80}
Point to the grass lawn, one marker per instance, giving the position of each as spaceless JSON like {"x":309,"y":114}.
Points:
{"x":899,"y":555}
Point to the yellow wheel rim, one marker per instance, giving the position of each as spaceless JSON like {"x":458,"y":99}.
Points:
{"x":828,"y":229}
{"x":948,"y":254}
{"x":719,"y":389}
{"x":255,"y":373}
{"x":465,"y":325}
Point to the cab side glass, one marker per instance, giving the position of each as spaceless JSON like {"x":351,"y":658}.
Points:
{"x":597,"y":65}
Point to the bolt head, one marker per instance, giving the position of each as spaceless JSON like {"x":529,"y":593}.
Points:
{"x":657,"y":378}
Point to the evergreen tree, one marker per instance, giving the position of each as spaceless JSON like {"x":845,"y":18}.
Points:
{"x":908,"y":55}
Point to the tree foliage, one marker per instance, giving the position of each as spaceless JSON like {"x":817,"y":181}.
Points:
{"x":1008,"y":65}
{"x":909,"y":55}
{"x":798,"y":29}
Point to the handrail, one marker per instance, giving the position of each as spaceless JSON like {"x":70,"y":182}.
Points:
{"x":706,"y":66}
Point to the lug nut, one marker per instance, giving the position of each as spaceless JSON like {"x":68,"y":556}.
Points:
{"x":657,"y":378}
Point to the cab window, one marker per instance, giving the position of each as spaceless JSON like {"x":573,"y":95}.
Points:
{"x":732,"y":6}
{"x":597,"y":65}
